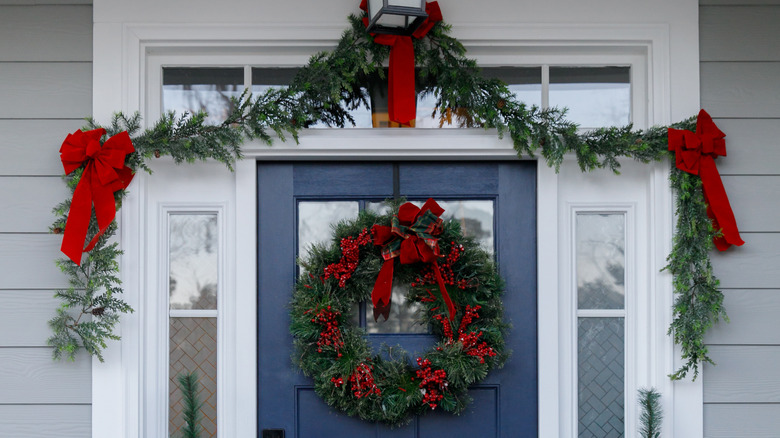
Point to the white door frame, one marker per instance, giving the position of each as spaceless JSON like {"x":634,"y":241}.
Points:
{"x":118,"y":383}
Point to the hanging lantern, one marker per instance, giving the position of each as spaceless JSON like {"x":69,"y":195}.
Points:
{"x":395,"y":17}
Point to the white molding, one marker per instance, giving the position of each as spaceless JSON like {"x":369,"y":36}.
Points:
{"x":121,"y":56}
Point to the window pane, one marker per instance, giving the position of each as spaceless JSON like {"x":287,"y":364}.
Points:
{"x":265,"y":78}
{"x":595,"y":96}
{"x":193,"y":348}
{"x":601,"y":260}
{"x":404,"y":317}
{"x":524,"y":82}
{"x":316,"y":218}
{"x":193,"y":259}
{"x":202,"y":89}
{"x":601,"y":401}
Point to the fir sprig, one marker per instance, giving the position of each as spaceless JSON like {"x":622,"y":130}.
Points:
{"x":188,"y":385}
{"x":332,"y":83}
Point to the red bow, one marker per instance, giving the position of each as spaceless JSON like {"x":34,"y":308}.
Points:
{"x":413,"y":238}
{"x":402,"y":98}
{"x":104,"y":174}
{"x":695,"y":153}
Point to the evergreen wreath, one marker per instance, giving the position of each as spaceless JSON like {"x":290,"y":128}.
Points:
{"x":323,"y":91}
{"x":387,"y":387}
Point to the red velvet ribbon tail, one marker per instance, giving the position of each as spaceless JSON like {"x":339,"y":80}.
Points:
{"x":383,"y":290}
{"x":445,"y":296}
{"x":77,"y":223}
{"x":719,"y":208}
{"x":402,"y":97}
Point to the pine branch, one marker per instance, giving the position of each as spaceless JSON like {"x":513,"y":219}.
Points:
{"x":188,"y":385}
{"x":652,"y":414}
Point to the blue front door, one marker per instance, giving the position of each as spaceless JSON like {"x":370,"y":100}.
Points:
{"x":502,"y":198}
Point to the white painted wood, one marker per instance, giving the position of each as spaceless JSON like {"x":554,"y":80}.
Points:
{"x":755,"y":201}
{"x":743,"y":374}
{"x":741,"y":420}
{"x":28,"y":202}
{"x":673,"y":53}
{"x":29,"y":376}
{"x":740,"y":89}
{"x":46,"y":33}
{"x":753,"y":318}
{"x":46,"y":90}
{"x":24,"y":315}
{"x":31,"y":147}
{"x":36,"y":421}
{"x":245,"y":326}
{"x":739,"y":34}
{"x":753,"y":147}
{"x":28,"y":261}
{"x":752,"y":265}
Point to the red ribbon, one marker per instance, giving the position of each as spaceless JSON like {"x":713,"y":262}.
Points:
{"x":416,"y":229}
{"x":401,"y":93}
{"x":695,"y":153}
{"x":105,"y":173}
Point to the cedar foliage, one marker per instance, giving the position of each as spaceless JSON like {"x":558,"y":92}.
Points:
{"x":323,"y":91}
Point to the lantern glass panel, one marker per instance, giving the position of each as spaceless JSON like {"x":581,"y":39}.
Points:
{"x":390,"y":20}
{"x":417,"y":4}
{"x":375,"y":7}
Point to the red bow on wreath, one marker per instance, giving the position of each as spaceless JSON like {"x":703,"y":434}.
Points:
{"x":412,"y":238}
{"x":402,"y":99}
{"x":104,"y":174}
{"x":695,"y":153}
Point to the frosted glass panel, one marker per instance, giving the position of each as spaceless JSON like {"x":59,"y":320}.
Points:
{"x":201,"y":89}
{"x":316,"y":218}
{"x":601,"y":358}
{"x":404,"y":317}
{"x":601,"y":260}
{"x":595,"y":96}
{"x":193,"y":261}
{"x":193,"y":348}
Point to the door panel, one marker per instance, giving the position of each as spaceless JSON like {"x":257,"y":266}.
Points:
{"x":505,"y":403}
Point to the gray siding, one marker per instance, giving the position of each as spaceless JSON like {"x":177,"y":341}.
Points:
{"x":46,"y":67}
{"x":740,"y":67}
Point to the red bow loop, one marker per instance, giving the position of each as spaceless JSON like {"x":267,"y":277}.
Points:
{"x":695,"y":153}
{"x":413,"y":238}
{"x":104,"y":173}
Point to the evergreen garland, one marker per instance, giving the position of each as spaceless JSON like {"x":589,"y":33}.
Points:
{"x":323,"y":91}
{"x":386,"y":387}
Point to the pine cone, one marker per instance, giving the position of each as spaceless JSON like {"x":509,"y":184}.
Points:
{"x":57,"y":230}
{"x":156,"y":154}
{"x":98,"y":311}
{"x":501,"y":103}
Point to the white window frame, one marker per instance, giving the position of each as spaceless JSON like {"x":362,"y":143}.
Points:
{"x":118,"y":383}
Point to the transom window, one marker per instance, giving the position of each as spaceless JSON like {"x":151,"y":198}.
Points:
{"x":595,"y":96}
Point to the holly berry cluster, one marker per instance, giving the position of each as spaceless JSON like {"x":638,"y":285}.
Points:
{"x":350,"y":256}
{"x":470,"y":341}
{"x":362,"y":381}
{"x":433,"y":382}
{"x":330,"y":336}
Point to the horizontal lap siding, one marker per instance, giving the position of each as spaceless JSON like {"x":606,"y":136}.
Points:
{"x":46,"y":91}
{"x":740,"y":67}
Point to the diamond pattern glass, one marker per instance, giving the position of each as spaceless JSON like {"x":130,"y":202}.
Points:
{"x":601,"y":367}
{"x":193,"y":348}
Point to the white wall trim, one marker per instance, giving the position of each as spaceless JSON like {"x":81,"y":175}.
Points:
{"x":120,"y":82}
